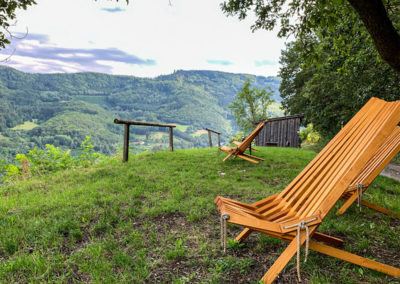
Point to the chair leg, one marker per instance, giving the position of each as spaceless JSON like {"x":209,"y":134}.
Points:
{"x":316,"y":236}
{"x":380,"y":209}
{"x":355,"y":259}
{"x":347,"y":204}
{"x":247,"y":159}
{"x":353,"y":198}
{"x":243,"y":235}
{"x":254,"y":157}
{"x":327,"y":239}
{"x":282,"y":260}
{"x":230,"y":154}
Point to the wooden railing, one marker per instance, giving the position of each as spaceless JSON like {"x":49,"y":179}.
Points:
{"x":127,"y":124}
{"x":209,"y":137}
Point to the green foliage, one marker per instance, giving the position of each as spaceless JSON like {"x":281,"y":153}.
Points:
{"x":234,"y":245}
{"x":238,"y":137}
{"x":68,"y":107}
{"x":300,"y":18}
{"x":178,"y":252}
{"x":329,"y":76}
{"x":44,"y":161}
{"x":309,"y":135}
{"x":87,"y":156}
{"x":7,"y":15}
{"x":40,"y":162}
{"x":250,"y":106}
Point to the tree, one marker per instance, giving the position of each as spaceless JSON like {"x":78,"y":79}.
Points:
{"x":250,"y":106}
{"x":328,"y":76}
{"x":300,"y":17}
{"x":7,"y":16}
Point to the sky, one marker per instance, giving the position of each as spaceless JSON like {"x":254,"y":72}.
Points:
{"x":144,"y":38}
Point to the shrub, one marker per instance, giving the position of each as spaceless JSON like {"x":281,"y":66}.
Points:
{"x":38,"y":162}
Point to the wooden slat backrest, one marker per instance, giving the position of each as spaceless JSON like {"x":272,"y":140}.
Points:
{"x":384,"y":129}
{"x":303,"y":181}
{"x":320,"y":184}
{"x":380,"y":160}
{"x":348,"y":157}
{"x":336,"y":169}
{"x":246,"y":142}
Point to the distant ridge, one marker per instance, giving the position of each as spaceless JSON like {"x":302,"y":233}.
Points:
{"x":68,"y":106}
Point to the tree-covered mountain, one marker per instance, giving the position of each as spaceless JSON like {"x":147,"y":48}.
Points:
{"x":64,"y":108}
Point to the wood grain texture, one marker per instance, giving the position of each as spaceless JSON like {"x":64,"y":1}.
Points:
{"x":319,"y":186}
{"x":382,"y":157}
{"x":242,"y":146}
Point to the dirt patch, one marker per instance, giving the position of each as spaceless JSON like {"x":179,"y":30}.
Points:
{"x":200,"y":132}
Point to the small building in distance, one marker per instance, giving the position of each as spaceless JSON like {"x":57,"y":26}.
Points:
{"x":281,"y":132}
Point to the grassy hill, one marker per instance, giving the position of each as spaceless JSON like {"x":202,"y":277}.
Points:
{"x":61,"y":109}
{"x":153,"y":220}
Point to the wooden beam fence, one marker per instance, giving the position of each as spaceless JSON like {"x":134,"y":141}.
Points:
{"x":209,"y":137}
{"x":128,"y":123}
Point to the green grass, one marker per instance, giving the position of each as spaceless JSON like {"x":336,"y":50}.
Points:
{"x":153,"y":220}
{"x":181,"y":127}
{"x":27,"y":125}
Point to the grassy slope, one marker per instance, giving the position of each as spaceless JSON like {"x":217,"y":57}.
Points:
{"x":153,"y":220}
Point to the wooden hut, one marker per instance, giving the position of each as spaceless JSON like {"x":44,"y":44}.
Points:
{"x":281,"y":132}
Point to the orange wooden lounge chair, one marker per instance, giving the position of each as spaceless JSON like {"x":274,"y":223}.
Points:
{"x":369,"y":172}
{"x":242,"y":146}
{"x":295,"y":214}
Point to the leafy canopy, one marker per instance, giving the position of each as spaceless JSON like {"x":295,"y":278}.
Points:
{"x":250,"y":105}
{"x":328,"y":75}
{"x":300,"y":18}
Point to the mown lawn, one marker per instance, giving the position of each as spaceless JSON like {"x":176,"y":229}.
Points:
{"x":153,"y":220}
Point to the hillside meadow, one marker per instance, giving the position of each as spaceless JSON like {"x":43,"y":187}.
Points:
{"x":153,"y":220}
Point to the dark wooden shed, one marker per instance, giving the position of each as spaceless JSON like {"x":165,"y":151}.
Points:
{"x":281,"y":132}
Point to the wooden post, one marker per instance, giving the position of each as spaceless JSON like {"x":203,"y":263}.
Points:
{"x":127,"y":123}
{"x":219,"y":143}
{"x":209,"y":138}
{"x":171,"y":139}
{"x":126,"y":143}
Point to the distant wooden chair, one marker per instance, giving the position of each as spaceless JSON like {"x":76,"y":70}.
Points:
{"x":306,"y":201}
{"x":369,"y":172}
{"x":251,"y":148}
{"x":242,"y":146}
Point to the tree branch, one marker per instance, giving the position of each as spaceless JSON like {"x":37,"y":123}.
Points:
{"x":381,"y":29}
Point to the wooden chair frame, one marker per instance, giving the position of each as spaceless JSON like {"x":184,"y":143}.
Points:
{"x":242,"y":146}
{"x":370,"y":171}
{"x":314,"y":192}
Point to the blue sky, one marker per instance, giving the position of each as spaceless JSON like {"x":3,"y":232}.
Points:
{"x":146,"y":38}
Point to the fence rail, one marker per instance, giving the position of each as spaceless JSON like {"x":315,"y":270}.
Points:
{"x":209,"y":137}
{"x":128,"y":123}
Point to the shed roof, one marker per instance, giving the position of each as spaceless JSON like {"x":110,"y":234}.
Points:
{"x":284,"y":118}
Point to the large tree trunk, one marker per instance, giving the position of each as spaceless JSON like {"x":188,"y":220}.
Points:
{"x":381,"y":29}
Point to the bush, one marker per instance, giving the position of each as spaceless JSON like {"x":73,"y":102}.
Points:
{"x":38,"y":162}
{"x":309,"y":135}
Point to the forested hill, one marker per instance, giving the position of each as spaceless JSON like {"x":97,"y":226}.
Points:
{"x":61,"y":109}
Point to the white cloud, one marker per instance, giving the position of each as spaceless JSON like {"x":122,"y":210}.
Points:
{"x":190,"y":34}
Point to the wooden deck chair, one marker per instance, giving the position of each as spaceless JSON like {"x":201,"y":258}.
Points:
{"x":237,"y":143}
{"x":369,"y":172}
{"x":295,"y":214}
{"x":239,"y":150}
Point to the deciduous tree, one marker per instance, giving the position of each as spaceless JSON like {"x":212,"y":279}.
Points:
{"x":300,"y":17}
{"x":250,"y":105}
